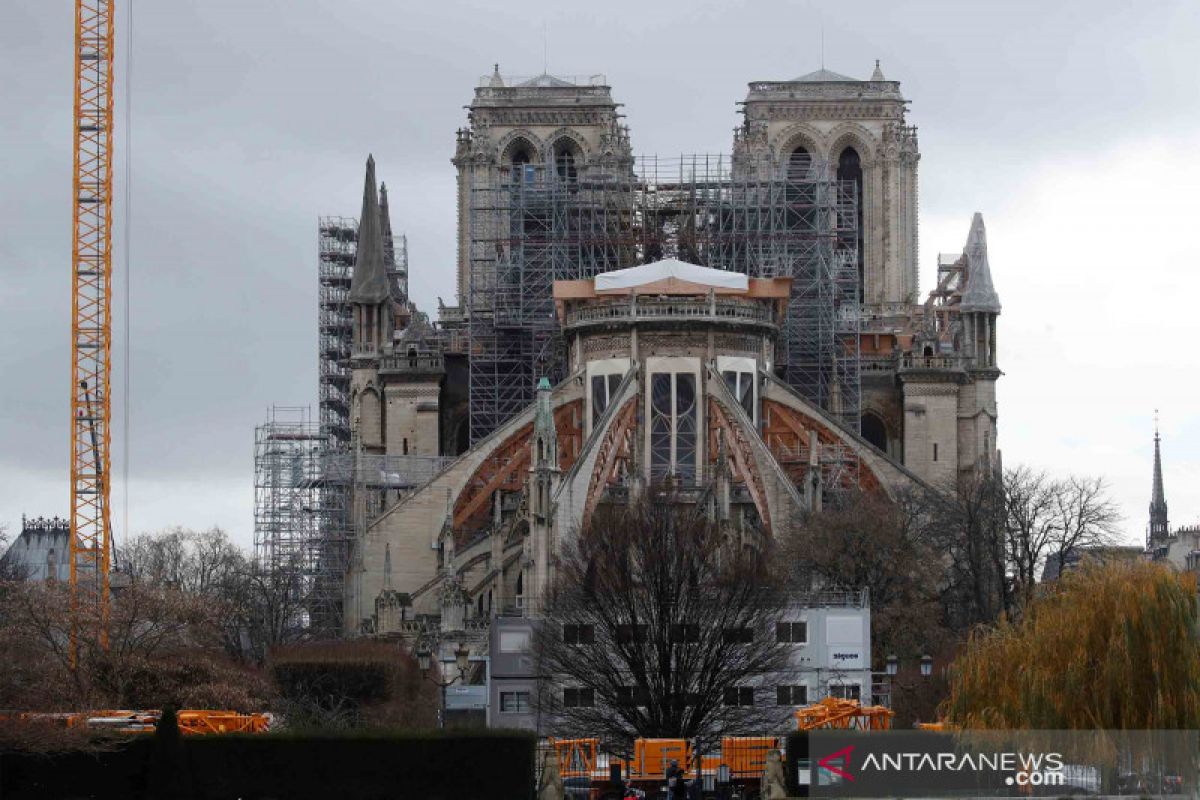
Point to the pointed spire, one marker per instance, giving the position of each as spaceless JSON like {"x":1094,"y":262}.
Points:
{"x":496,"y":81}
{"x":877,"y":75}
{"x":369,"y":285}
{"x":980,"y":295}
{"x":1160,"y":527}
{"x":385,"y":220}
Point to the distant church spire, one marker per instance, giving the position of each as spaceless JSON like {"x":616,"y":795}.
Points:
{"x":1160,"y":528}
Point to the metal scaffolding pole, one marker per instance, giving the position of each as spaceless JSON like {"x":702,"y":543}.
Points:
{"x":530,"y":225}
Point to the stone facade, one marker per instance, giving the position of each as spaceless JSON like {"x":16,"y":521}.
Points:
{"x":855,"y":129}
{"x":672,"y":377}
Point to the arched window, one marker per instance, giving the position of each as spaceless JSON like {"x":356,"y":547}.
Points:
{"x":801,"y":193}
{"x":521,"y":156}
{"x":850,"y":171}
{"x":799,"y":163}
{"x":874,"y":431}
{"x":521,"y":161}
{"x":564,"y":161}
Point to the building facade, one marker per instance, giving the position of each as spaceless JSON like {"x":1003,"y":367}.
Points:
{"x":744,"y":326}
{"x":41,"y":552}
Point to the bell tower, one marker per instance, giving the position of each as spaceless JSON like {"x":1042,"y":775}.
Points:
{"x":856,"y":130}
{"x":528,"y":128}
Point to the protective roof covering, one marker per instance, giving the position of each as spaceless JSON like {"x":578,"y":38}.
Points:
{"x":546,"y":79}
{"x":370,"y":282}
{"x":825,"y":76}
{"x":671,"y":274}
{"x":980,"y":294}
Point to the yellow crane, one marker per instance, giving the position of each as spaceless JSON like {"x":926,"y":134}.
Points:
{"x":91,"y":324}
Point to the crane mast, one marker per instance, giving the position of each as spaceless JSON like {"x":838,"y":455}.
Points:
{"x":91,"y":325}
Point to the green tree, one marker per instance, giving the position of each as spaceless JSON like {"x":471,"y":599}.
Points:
{"x":1110,"y":646}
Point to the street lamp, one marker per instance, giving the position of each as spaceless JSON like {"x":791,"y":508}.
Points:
{"x":893,"y":665}
{"x":462,"y":660}
{"x":892,"y":670}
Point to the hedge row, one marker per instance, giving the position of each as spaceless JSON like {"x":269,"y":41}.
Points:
{"x":433,"y":766}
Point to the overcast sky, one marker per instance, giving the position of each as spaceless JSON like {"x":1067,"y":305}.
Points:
{"x":1071,"y":126}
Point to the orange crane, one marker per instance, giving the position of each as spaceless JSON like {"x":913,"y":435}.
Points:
{"x":91,"y":324}
{"x":835,"y":713}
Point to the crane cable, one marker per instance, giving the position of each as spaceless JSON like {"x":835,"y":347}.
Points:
{"x":125,"y":345}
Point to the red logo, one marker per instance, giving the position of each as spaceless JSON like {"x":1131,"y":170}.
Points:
{"x":845,"y":751}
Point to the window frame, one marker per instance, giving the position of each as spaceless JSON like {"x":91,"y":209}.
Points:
{"x":579,"y":633}
{"x":579,"y":697}
{"x":789,"y":692}
{"x":522,"y":707}
{"x":790,"y":626}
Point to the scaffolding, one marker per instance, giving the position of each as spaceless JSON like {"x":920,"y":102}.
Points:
{"x":337,"y":246}
{"x":531,"y":225}
{"x":304,"y":490}
{"x":301,"y":523}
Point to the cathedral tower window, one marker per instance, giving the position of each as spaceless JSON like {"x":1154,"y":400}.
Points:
{"x":521,"y":161}
{"x":850,"y":170}
{"x":564,"y":161}
{"x":799,"y":164}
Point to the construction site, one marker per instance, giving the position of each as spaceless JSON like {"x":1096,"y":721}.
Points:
{"x":537,"y":224}
{"x":550,"y":192}
{"x":735,"y":332}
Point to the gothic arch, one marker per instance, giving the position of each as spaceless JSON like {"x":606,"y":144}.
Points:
{"x":851,"y":134}
{"x":565,"y":157}
{"x":582,"y":150}
{"x":509,"y":143}
{"x":874,"y":429}
{"x":799,"y":135}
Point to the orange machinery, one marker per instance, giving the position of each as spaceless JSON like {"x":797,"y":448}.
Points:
{"x":835,"y":714}
{"x":192,"y":722}
{"x":580,"y":760}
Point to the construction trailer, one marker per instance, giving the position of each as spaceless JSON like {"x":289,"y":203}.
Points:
{"x":733,"y":771}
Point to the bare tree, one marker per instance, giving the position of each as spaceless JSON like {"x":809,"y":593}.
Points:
{"x":163,"y":645}
{"x":268,"y":611}
{"x":966,"y":527}
{"x":197,"y":562}
{"x":866,"y":541}
{"x":254,"y":609}
{"x":658,"y":626}
{"x":1031,"y":525}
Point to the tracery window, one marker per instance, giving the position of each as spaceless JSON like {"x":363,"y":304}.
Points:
{"x":673,"y":425}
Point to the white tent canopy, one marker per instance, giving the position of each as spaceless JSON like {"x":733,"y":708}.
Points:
{"x":670,"y":272}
